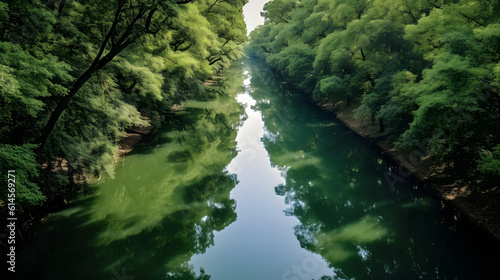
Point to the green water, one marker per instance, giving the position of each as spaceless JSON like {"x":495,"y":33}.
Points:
{"x":254,"y":184}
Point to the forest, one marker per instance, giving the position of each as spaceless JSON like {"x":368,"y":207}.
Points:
{"x":75,"y":74}
{"x":427,"y":72}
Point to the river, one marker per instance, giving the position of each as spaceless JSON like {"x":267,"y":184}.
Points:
{"x":253,"y":183}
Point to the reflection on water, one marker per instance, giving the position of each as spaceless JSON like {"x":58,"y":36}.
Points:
{"x":336,"y":245}
{"x":167,"y":199}
{"x":335,"y":186}
{"x":261,"y":243}
{"x":253,"y":184}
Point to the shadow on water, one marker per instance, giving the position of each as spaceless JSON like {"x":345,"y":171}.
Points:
{"x":166,"y":200}
{"x":154,"y":253}
{"x":335,"y":186}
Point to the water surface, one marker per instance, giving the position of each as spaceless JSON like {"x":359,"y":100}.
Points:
{"x":252,"y":183}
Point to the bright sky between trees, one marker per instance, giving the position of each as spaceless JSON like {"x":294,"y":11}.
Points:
{"x":251,"y":11}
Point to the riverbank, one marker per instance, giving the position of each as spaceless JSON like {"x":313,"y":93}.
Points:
{"x":478,"y":204}
{"x":136,"y":134}
{"x":133,"y":137}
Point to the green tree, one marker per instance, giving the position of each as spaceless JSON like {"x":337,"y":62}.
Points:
{"x":427,"y":70}
{"x":76,"y":74}
{"x":26,"y":84}
{"x":279,"y":11}
{"x":489,"y":165}
{"x":128,"y":21}
{"x":22,"y":161}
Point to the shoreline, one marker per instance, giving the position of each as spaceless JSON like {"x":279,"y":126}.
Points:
{"x":479,"y":205}
{"x":133,"y":137}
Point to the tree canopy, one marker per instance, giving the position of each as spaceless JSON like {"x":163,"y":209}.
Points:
{"x":75,"y":74}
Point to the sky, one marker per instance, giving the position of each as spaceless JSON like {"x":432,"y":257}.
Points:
{"x":251,"y":11}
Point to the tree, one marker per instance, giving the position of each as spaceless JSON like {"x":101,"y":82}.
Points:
{"x":22,"y":162}
{"x":226,"y":21}
{"x":26,"y":84}
{"x":278,"y":11}
{"x":74,"y":75}
{"x":489,"y":165}
{"x":428,"y":70}
{"x":449,"y":116}
{"x":296,"y":61}
{"x":127,"y":21}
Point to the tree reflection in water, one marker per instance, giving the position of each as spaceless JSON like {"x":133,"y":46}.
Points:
{"x":166,"y":200}
{"x":336,"y":188}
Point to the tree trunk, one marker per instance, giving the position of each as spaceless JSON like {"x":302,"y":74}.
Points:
{"x":381,"y":124}
{"x":209,"y":8}
{"x":361,"y":12}
{"x":61,"y":106}
{"x":61,"y":7}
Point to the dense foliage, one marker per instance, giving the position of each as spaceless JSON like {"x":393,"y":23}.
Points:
{"x":428,"y":71}
{"x":75,"y":74}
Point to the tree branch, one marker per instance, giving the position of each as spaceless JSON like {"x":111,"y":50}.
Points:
{"x":471,"y":19}
{"x":112,"y":29}
{"x":227,"y":41}
{"x":410,"y":12}
{"x":214,"y":61}
{"x":434,"y":4}
{"x":128,"y":31}
{"x":148,"y":21}
{"x":362,"y":54}
{"x":175,"y":62}
{"x":403,"y":16}
{"x":361,"y":12}
{"x":208,"y":10}
{"x":61,"y":7}
{"x":185,"y":48}
{"x":283,"y":19}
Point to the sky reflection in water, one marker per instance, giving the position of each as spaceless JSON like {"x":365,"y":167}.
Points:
{"x":261,"y":243}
